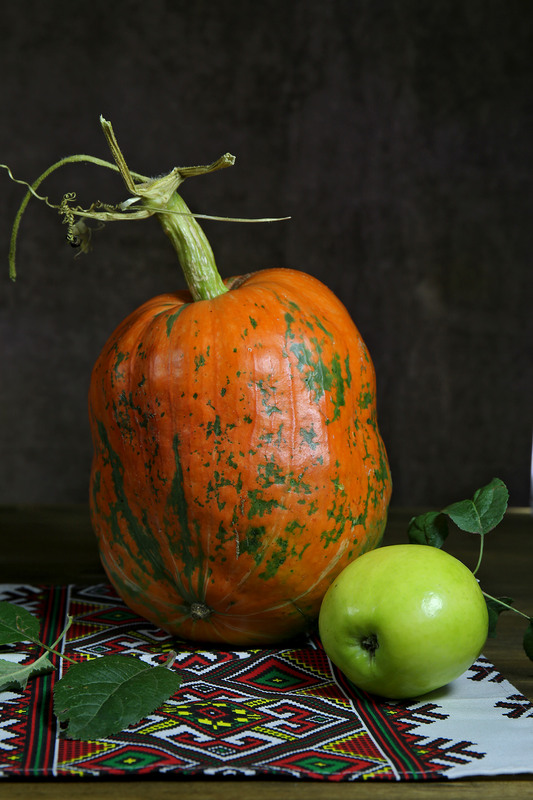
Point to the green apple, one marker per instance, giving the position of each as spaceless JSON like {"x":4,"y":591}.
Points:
{"x":403,"y":620}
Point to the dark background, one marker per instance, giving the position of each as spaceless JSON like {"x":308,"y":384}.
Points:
{"x":397,"y":134}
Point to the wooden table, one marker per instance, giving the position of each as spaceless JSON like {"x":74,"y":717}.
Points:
{"x":56,"y":545}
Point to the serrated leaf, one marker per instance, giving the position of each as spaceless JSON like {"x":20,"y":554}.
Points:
{"x":484,"y":511}
{"x":16,"y":676}
{"x":491,"y":502}
{"x":17,"y":624}
{"x":465,"y":516}
{"x":528,"y":640}
{"x":103,"y":696}
{"x":495,"y":608}
{"x":430,"y":528}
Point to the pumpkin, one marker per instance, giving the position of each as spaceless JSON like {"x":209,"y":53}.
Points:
{"x":238,"y":466}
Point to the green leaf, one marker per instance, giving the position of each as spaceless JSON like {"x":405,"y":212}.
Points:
{"x":528,"y":640}
{"x":16,"y":676}
{"x":430,"y":528}
{"x":484,"y":511}
{"x":17,"y":624}
{"x":495,"y":607}
{"x":465,"y":516}
{"x":491,"y":501}
{"x":103,"y":696}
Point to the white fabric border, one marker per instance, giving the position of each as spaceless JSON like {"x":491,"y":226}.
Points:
{"x":474,"y":716}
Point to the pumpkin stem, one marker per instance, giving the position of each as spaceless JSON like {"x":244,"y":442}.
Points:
{"x":148,"y":197}
{"x":193,"y":249}
{"x":188,"y":239}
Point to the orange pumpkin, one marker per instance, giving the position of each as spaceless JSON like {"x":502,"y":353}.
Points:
{"x":238,"y":467}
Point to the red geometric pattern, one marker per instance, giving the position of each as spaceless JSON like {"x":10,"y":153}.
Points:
{"x":516,"y":706}
{"x":276,"y":712}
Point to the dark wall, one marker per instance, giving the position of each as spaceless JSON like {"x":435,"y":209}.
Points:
{"x":397,"y":134}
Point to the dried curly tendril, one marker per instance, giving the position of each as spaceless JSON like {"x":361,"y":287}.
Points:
{"x":148,"y":196}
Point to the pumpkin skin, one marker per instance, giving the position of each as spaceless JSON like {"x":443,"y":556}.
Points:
{"x":238,"y":467}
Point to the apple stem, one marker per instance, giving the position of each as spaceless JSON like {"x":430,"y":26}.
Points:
{"x":370,"y":643}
